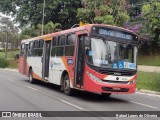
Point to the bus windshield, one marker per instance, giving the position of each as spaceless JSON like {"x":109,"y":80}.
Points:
{"x":110,"y":54}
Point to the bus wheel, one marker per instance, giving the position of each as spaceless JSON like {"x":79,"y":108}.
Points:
{"x":105,"y":94}
{"x":31,"y":79}
{"x":66,"y":86}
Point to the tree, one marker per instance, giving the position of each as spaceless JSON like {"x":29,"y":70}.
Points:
{"x":30,"y":11}
{"x":8,"y":28}
{"x":33,"y":31}
{"x":151,"y":18}
{"x":104,"y":11}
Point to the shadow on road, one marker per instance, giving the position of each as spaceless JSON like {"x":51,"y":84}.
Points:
{"x":85,"y":96}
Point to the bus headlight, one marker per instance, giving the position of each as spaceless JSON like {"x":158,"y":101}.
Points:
{"x":131,"y":82}
{"x":93,"y":77}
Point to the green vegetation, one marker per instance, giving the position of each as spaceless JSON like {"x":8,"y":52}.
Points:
{"x":3,"y":63}
{"x":13,"y":64}
{"x":10,"y":54}
{"x":149,"y":60}
{"x":112,"y":12}
{"x":148,"y":81}
{"x":10,"y":61}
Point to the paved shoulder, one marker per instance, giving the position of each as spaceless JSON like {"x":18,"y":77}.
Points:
{"x":148,"y":68}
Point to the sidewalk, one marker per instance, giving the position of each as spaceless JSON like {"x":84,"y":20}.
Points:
{"x":149,"y":68}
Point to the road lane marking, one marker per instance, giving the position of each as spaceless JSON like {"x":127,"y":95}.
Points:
{"x":10,"y":80}
{"x":71,"y":104}
{"x":31,"y":88}
{"x":144,"y":104}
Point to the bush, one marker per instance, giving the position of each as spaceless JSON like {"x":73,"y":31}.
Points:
{"x":3,"y":63}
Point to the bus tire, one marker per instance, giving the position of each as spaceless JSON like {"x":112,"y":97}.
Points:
{"x":66,"y":86}
{"x":106,"y":94}
{"x":31,"y":79}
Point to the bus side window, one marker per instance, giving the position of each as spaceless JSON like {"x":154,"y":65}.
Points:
{"x":70,"y":45}
{"x":40,"y":48}
{"x":53,"y":50}
{"x":22,"y":50}
{"x":30,"y":53}
{"x":60,"y":46}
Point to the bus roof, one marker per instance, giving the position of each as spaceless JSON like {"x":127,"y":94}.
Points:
{"x":85,"y":27}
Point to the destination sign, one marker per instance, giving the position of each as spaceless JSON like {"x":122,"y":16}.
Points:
{"x":113,"y":33}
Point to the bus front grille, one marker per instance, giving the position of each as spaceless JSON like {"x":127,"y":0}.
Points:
{"x":116,"y":82}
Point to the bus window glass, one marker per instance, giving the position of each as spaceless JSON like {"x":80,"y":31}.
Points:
{"x":22,"y":49}
{"x":31,"y":50}
{"x":41,"y":42}
{"x":53,"y":50}
{"x":54,"y":41}
{"x":106,"y":53}
{"x":61,"y":41}
{"x":70,"y":45}
{"x":39,"y":49}
{"x":60,"y":51}
{"x":71,"y":39}
{"x":60,"y":47}
{"x":69,"y":51}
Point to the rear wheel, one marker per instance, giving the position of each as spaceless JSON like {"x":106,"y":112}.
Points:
{"x":66,"y":85}
{"x":31,"y":79}
{"x":106,"y":94}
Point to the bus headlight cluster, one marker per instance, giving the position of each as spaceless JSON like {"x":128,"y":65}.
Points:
{"x":93,"y":77}
{"x":131,"y":82}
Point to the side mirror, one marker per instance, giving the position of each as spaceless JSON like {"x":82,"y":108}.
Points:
{"x":16,"y":56}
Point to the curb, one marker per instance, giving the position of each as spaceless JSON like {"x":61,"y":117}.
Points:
{"x":9,"y":69}
{"x":148,"y":92}
{"x":143,"y":68}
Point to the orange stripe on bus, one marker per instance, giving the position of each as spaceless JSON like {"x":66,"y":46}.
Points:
{"x":65,"y":63}
{"x":36,"y":76}
{"x":133,"y":78}
{"x":48,"y":38}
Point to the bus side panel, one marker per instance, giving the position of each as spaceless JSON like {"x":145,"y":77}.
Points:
{"x":69,"y":65}
{"x":21,"y":64}
{"x":33,"y":63}
{"x":27,"y":69}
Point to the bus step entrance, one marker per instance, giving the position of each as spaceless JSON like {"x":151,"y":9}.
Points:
{"x":45,"y":79}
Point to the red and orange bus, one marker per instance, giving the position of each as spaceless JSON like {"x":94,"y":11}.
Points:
{"x":95,"y":57}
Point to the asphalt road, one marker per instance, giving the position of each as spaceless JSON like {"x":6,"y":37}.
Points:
{"x":17,"y":94}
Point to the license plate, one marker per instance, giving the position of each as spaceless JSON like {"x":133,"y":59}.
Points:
{"x":115,"y":88}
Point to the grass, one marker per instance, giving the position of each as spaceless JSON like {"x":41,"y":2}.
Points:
{"x":151,"y":60}
{"x":10,"y":54}
{"x":148,"y":81}
{"x":12,"y":63}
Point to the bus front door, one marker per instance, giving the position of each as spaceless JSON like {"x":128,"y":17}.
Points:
{"x":79,"y":65}
{"x":45,"y":60}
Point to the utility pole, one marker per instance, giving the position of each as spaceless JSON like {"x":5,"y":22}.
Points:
{"x":43,"y":16}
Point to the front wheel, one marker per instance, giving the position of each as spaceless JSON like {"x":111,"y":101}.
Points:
{"x":31,"y":79}
{"x":66,"y":86}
